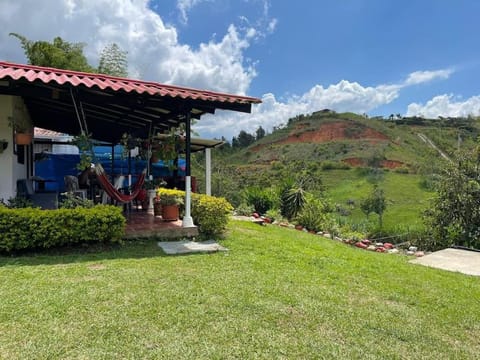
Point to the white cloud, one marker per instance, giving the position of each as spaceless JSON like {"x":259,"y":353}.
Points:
{"x":419,"y":77}
{"x":184,"y":6}
{"x":446,"y":106}
{"x":154,"y":51}
{"x":341,"y":97}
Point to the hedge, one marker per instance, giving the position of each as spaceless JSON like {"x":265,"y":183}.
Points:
{"x":29,"y":228}
{"x":209,"y":213}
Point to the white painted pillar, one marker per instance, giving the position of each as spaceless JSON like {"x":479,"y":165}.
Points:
{"x":208,"y":171}
{"x":187,"y":219}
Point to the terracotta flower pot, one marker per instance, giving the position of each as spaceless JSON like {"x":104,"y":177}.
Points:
{"x":23,"y":139}
{"x":170,"y":212}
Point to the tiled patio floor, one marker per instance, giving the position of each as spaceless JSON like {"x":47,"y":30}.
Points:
{"x":143,"y":224}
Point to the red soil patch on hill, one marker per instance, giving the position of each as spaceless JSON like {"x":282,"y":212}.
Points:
{"x":335,"y":131}
{"x":354,"y":162}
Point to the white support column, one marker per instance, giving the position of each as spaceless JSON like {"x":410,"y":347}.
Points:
{"x":208,"y":171}
{"x":187,"y":219}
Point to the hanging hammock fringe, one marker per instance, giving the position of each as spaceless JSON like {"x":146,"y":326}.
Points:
{"x":115,"y":193}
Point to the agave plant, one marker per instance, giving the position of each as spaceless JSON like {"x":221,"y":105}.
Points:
{"x":292,"y":198}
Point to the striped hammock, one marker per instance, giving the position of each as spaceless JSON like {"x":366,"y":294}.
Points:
{"x":115,"y":193}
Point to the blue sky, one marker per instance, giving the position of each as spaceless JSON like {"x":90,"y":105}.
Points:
{"x":367,"y":56}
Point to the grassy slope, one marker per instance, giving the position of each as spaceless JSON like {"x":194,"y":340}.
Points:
{"x":278,"y":293}
{"x":405,"y":198}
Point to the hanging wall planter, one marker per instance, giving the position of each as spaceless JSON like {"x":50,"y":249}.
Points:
{"x":23,"y":138}
{"x":22,"y":126}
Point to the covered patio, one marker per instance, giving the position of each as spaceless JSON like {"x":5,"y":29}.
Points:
{"x":106,"y":107}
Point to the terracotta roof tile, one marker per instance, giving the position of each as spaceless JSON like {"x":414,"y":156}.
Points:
{"x":76,"y":78}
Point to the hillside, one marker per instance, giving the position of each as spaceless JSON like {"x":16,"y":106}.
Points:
{"x":345,"y":154}
{"x":352,"y":139}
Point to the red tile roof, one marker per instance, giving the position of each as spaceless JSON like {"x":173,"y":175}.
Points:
{"x":47,"y":75}
{"x":39,"y":132}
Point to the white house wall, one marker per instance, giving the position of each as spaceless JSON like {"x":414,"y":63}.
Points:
{"x":10,"y":169}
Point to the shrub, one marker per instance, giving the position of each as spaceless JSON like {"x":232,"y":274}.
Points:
{"x":31,"y":228}
{"x":17,"y":202}
{"x":401,"y":170}
{"x":314,"y":215}
{"x":71,"y":201}
{"x":244,"y":209}
{"x":332,"y":165}
{"x":209,"y":213}
{"x":454,"y":215}
{"x":261,"y":199}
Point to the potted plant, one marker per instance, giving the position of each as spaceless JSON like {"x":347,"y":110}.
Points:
{"x":170,"y":203}
{"x":22,"y":126}
{"x":84,"y":143}
{"x":166,"y":147}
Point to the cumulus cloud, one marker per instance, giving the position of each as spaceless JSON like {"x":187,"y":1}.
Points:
{"x":154,"y":51}
{"x":419,"y":77}
{"x":341,"y":97}
{"x":446,"y":106}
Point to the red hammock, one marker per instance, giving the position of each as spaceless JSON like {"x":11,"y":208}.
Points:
{"x":114,"y":193}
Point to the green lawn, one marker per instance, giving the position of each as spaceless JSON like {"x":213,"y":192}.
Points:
{"x":278,"y":293}
{"x":405,"y":198}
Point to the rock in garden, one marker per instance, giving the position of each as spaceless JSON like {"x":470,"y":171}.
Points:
{"x":410,"y":253}
{"x":360,"y":245}
{"x":388,"y":246}
{"x":371,"y":248}
{"x":366,"y":241}
{"x":419,"y":254}
{"x":393,"y":251}
{"x":380,"y":249}
{"x":379,"y":244}
{"x":412,"y":248}
{"x":327,"y":235}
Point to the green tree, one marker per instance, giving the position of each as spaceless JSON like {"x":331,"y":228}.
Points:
{"x":375,"y":203}
{"x":454,"y":214}
{"x":113,"y":61}
{"x":260,"y":133}
{"x":59,"y":53}
{"x":243,"y":139}
{"x":62,"y":54}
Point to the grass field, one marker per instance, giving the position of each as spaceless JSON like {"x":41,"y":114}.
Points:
{"x":278,"y":293}
{"x":405,"y":198}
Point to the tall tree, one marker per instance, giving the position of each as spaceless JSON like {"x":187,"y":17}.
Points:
{"x":62,"y":54}
{"x":245,"y":139}
{"x":260,"y":133}
{"x":113,"y":61}
{"x":59,"y":53}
